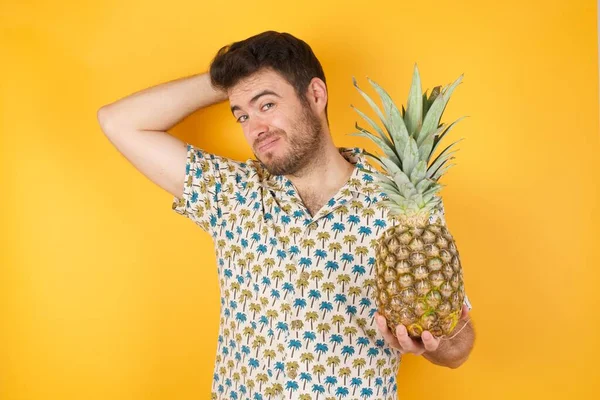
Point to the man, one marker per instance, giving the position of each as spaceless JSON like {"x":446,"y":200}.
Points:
{"x":293,"y":229}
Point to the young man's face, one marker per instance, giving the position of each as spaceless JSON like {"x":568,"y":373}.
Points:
{"x":283,"y":132}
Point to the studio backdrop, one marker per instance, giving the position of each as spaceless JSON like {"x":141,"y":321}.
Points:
{"x":106,"y":293}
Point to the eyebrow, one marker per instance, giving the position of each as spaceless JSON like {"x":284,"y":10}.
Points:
{"x":263,"y":93}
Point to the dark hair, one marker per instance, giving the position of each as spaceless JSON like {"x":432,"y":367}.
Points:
{"x":289,"y":56}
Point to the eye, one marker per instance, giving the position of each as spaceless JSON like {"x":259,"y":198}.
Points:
{"x":241,"y":116}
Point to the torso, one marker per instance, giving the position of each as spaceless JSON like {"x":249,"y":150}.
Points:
{"x":297,"y":293}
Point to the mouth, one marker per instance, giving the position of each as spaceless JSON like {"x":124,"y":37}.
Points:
{"x":268,"y":144}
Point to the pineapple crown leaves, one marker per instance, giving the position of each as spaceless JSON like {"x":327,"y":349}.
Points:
{"x":412,"y":137}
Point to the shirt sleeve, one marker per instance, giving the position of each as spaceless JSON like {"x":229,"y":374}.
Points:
{"x":208,"y":180}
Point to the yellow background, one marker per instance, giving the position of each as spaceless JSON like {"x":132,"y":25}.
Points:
{"x":105,"y":293}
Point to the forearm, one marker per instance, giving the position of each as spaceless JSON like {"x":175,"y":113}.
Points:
{"x":453,"y":352}
{"x":163,"y":106}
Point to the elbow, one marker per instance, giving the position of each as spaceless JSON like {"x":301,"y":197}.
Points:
{"x":103,"y":113}
{"x":107,"y":119}
{"x":102,"y":116}
{"x":456,"y":364}
{"x":460,"y":358}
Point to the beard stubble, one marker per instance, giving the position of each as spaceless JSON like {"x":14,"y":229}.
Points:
{"x":302,"y":147}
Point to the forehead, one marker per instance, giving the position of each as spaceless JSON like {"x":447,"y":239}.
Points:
{"x":241,"y":94}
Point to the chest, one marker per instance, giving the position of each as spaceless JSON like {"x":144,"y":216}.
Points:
{"x":313,"y":201}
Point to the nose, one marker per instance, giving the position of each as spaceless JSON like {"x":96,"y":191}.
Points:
{"x":257,"y":127}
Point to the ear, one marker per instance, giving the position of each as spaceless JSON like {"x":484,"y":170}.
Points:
{"x":317,"y":94}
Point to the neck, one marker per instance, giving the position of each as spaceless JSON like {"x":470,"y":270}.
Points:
{"x":327,"y":172}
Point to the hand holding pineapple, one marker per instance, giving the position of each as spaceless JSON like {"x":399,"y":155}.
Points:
{"x":402,"y":342}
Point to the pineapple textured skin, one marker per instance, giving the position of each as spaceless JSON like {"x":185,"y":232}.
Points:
{"x":419,"y":279}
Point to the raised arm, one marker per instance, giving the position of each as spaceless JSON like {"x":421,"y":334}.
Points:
{"x":137,"y":126}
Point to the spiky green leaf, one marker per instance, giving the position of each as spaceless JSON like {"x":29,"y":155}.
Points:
{"x":373,"y":105}
{"x":397,"y":128}
{"x":398,"y":199}
{"x":375,"y":126}
{"x":374,"y":158}
{"x":432,"y":119}
{"x":425,"y":103}
{"x":391,"y":166}
{"x":417,"y":199}
{"x":431,"y":135}
{"x":385,"y":179}
{"x":388,"y":188}
{"x":386,"y":149}
{"x":434,"y":93}
{"x":410,"y":156}
{"x":440,"y":159}
{"x":426,"y":147}
{"x":429,"y":194}
{"x":432,"y":200}
{"x":414,"y":107}
{"x":424,"y":185}
{"x":442,"y":171}
{"x":437,"y":139}
{"x":365,"y":170}
{"x":393,"y":208}
{"x":407,"y":190}
{"x":418,"y":173}
{"x":401,"y":179}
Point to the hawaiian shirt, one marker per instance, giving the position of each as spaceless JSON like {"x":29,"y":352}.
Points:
{"x":297,"y":291}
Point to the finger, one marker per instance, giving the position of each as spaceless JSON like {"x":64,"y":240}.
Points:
{"x":430,"y":342}
{"x":465,"y":312}
{"x":386,"y":333}
{"x":405,"y":341}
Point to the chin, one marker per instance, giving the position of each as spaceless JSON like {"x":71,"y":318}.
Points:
{"x":275,"y":164}
{"x":277,"y":152}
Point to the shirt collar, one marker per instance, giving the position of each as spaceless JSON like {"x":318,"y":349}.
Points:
{"x":357,"y":183}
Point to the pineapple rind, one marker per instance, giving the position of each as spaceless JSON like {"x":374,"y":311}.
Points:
{"x":433,"y":281}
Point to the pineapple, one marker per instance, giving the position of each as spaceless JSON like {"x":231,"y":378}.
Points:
{"x":418,"y":270}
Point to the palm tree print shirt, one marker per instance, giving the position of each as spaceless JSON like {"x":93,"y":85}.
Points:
{"x":297,"y":291}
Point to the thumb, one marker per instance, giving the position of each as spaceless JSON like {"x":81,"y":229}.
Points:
{"x":465,"y":312}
